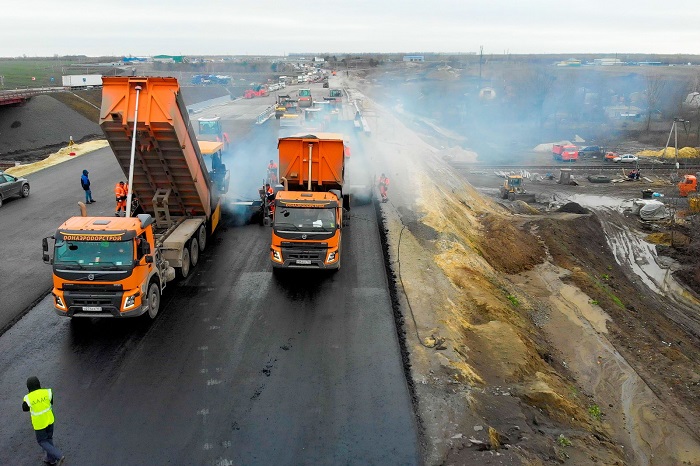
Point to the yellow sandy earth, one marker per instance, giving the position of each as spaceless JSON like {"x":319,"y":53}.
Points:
{"x":685,"y":153}
{"x":57,"y":157}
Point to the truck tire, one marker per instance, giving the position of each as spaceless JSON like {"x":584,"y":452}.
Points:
{"x":511,"y":196}
{"x":25,"y":191}
{"x":153,"y":298}
{"x":194,"y":251}
{"x":202,"y":237}
{"x":184,"y":271}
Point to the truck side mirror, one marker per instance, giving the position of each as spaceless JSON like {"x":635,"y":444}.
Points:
{"x":149,"y":259}
{"x":45,"y":249}
{"x":145,"y":248}
{"x":346,"y":202}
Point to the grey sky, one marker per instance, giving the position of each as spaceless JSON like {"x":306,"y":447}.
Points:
{"x":231,"y":27}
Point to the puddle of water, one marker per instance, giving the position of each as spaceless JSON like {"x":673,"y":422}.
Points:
{"x":593,"y":202}
{"x":630,"y":249}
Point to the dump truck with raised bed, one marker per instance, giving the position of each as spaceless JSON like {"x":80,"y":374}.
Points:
{"x":311,"y":211}
{"x":118,"y":267}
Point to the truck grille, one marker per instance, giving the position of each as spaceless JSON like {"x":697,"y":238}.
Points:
{"x":92,"y":301}
{"x":294,"y":254}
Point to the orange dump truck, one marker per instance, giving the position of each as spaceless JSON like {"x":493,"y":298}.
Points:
{"x":310,"y":210}
{"x":565,"y":153}
{"x":689,"y":184}
{"x":118,"y":267}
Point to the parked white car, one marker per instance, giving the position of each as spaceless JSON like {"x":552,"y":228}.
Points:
{"x":626,"y":158}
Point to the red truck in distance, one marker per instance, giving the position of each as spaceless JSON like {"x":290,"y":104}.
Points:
{"x":565,"y":153}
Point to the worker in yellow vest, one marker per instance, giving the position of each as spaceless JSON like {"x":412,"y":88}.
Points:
{"x":39,"y":403}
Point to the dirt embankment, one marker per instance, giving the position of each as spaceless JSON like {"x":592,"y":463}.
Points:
{"x":529,"y":342}
{"x":43,"y":125}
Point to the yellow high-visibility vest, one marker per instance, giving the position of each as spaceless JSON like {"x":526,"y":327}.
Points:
{"x":39,"y":402}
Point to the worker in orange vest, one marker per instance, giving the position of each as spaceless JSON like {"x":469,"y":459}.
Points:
{"x":383,"y":187}
{"x":121,"y":190}
{"x":272,"y":172}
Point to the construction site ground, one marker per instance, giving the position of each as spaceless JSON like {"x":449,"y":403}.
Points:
{"x":551,"y":333}
{"x":543,"y":334}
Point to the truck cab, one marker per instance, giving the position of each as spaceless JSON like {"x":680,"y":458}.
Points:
{"x":106,"y":267}
{"x":210,"y":129}
{"x":306,"y":230}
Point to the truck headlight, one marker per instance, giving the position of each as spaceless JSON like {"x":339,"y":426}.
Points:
{"x":276,"y":256}
{"x":332,"y":256}
{"x":59,"y":302}
{"x":131,"y":300}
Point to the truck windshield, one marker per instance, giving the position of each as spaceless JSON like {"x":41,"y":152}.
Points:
{"x":304,"y":93}
{"x":208,"y":127}
{"x":81,"y":254}
{"x":305,"y":219}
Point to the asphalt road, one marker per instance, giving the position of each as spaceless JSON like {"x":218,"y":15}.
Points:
{"x":54,"y":197}
{"x":240,"y":367}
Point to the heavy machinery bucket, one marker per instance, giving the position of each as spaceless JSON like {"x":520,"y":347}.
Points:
{"x":525,"y":197}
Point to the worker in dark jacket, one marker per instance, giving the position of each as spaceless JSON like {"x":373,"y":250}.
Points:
{"x":85,"y":183}
{"x":39,"y":403}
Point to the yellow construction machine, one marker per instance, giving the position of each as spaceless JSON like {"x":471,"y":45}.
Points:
{"x":513,"y":189}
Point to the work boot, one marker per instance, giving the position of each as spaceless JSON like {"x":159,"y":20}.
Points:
{"x":116,"y":214}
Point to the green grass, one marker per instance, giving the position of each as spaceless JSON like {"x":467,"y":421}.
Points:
{"x":18,"y":72}
{"x":595,"y":412}
{"x":563,"y":441}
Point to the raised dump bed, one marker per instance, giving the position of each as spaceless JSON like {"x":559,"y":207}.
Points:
{"x":167,"y":155}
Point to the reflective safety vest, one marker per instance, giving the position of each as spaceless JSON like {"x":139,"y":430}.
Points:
{"x":39,"y":402}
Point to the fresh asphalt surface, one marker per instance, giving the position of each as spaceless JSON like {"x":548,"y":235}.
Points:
{"x":240,"y":367}
{"x":53,"y":198}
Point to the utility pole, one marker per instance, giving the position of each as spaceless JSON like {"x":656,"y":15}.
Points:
{"x":481,"y":56}
{"x":674,"y":132}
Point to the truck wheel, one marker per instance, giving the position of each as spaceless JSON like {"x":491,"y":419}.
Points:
{"x":202,"y":237}
{"x":194,"y":251}
{"x":184,"y":271}
{"x":153,"y":298}
{"x":25,"y":190}
{"x":511,"y":196}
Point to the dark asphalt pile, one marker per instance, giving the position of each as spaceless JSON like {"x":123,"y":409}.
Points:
{"x":573,"y":208}
{"x":41,"y":126}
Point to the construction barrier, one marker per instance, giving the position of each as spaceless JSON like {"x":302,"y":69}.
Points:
{"x":264,"y":116}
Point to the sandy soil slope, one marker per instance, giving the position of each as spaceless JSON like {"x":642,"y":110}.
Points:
{"x":529,"y":341}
